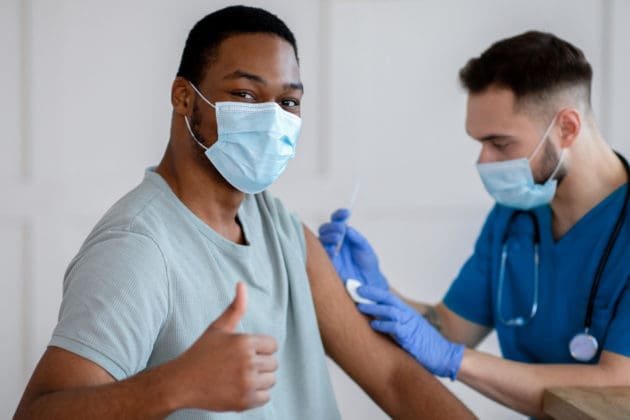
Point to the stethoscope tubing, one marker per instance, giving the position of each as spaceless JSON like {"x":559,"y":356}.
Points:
{"x":582,"y":337}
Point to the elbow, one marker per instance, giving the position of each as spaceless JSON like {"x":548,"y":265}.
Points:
{"x":31,"y":406}
{"x":23,"y":412}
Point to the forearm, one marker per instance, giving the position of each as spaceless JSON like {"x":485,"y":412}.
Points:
{"x":146,"y":395}
{"x":426,"y":310}
{"x":521,"y":385}
{"x":413,"y":392}
{"x":452,"y":326}
{"x":432,"y":314}
{"x":422,"y":308}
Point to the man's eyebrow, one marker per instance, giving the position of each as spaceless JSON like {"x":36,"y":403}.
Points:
{"x":238,"y":74}
{"x":294,"y":86}
{"x":491,"y":137}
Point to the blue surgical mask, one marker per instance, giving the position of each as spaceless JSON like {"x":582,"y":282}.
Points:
{"x":255,"y":142}
{"x":512,"y":184}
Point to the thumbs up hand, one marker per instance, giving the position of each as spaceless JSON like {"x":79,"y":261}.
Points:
{"x":230,"y":318}
{"x":225,"y":371}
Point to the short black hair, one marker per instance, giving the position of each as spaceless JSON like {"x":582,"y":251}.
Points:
{"x":207,"y":34}
{"x":532,"y":65}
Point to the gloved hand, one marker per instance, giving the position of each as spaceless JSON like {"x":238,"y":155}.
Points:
{"x":412,"y":332}
{"x":355,"y":259}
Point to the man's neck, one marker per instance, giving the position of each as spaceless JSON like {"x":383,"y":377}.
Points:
{"x":205,"y":193}
{"x":594,"y":173}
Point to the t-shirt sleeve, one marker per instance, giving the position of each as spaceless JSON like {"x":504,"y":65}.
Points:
{"x":115,"y":301}
{"x":618,"y":338}
{"x":470,"y":294}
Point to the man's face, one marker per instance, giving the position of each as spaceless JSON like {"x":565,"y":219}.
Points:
{"x":507,"y":133}
{"x":249,"y":68}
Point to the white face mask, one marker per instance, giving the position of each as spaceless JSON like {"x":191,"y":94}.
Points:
{"x":255,"y":142}
{"x":511,"y":182}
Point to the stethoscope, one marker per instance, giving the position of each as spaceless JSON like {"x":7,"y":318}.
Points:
{"x":583,"y":346}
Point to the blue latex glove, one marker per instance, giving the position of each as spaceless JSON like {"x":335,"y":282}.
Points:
{"x":412,"y":332}
{"x":356,"y":259}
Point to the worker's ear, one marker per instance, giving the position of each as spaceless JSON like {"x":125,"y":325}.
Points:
{"x":569,"y":124}
{"x":182,"y":96}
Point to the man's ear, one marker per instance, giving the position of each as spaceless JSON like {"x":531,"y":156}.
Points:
{"x":570,"y":124}
{"x":182,"y":96}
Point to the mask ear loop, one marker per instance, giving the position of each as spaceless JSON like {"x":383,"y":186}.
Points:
{"x":204,"y":98}
{"x":186,"y":117}
{"x":543,"y":139}
{"x":193,"y":135}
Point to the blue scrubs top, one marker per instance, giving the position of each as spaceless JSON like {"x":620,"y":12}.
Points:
{"x":567,"y":269}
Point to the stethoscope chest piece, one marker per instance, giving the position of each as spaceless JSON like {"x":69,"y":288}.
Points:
{"x":583,"y":346}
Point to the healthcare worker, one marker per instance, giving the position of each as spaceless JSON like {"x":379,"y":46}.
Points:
{"x":550,"y":270}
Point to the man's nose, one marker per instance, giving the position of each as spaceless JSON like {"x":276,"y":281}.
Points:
{"x":486,"y":154}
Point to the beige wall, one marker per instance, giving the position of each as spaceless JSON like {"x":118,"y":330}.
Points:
{"x":85,"y":109}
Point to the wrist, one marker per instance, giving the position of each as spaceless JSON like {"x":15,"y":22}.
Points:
{"x":147,"y":394}
{"x":457,"y":357}
{"x":467,"y":365}
{"x":169,"y":388}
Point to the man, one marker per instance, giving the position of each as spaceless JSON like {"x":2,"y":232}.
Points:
{"x":550,"y":269}
{"x":143,"y":330}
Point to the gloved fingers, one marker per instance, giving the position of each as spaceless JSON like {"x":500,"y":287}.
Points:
{"x":386,"y":327}
{"x":332,"y":227}
{"x":331,"y":250}
{"x":340,"y":215}
{"x":385,"y":312}
{"x":378,"y":295}
{"x":330,"y":238}
{"x":358,"y":240}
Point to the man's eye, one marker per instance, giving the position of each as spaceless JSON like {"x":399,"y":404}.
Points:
{"x":501,"y":145}
{"x":290,"y":103}
{"x":244,"y":95}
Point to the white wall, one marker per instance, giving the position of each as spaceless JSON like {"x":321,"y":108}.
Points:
{"x":86,"y":108}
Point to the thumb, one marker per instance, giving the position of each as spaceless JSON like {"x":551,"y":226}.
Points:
{"x":230,"y":318}
{"x":340,"y":215}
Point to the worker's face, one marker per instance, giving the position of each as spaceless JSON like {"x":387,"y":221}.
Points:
{"x":249,"y":68}
{"x":506,"y":133}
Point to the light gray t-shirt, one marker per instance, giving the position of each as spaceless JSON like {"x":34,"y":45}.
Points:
{"x":151,"y":277}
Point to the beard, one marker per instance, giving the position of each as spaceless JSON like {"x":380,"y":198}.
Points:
{"x":550,"y":159}
{"x":195,"y":123}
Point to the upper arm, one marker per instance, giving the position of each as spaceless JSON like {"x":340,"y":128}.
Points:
{"x":58,"y":370}
{"x":390,"y":376}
